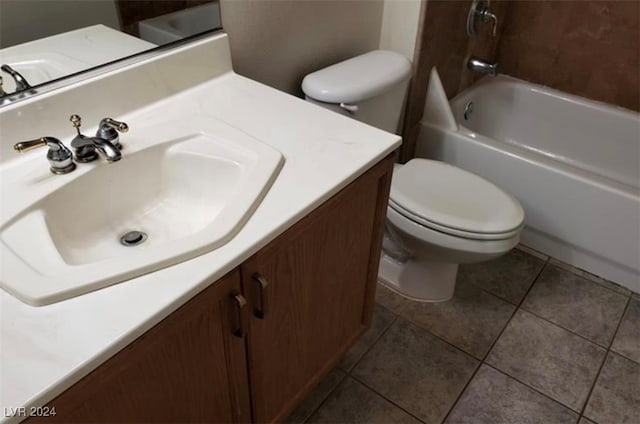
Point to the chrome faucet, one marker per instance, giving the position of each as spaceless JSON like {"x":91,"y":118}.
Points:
{"x":21,"y":82}
{"x":106,"y":141}
{"x":59,"y":156}
{"x":482,"y":66}
{"x":108,"y":130}
{"x":22,"y":87}
{"x":86,"y":148}
{"x":2,"y":92}
{"x":479,"y":11}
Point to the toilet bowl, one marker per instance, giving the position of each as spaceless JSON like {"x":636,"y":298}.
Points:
{"x":431,"y":228}
{"x":439,"y":216}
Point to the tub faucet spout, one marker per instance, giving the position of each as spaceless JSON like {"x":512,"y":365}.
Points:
{"x":482,"y":66}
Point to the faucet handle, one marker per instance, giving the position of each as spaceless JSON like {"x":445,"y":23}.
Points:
{"x":59,"y":156}
{"x":76,"y":121}
{"x":491,"y":17}
{"x":84,"y":149}
{"x":25,"y":146}
{"x":109,"y":128}
{"x":479,"y":11}
{"x":116,"y":125}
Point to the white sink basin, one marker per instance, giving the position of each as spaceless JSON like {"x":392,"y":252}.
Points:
{"x":188,"y":195}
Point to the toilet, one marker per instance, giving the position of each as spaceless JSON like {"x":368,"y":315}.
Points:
{"x":439,"y":216}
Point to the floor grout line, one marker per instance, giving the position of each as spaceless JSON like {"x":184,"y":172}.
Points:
{"x":386,"y":398}
{"x":483,"y":360}
{"x":531,"y":387}
{"x":423,"y":329}
{"x":622,"y":355}
{"x":602,"y":282}
{"x":324,"y":400}
{"x":458,"y":348}
{"x":519,"y":306}
{"x":565,"y":329}
{"x":495,"y":295}
{"x":464,"y":389}
{"x":532,"y":252}
{"x":375,"y":342}
{"x":535,"y":280}
{"x":604,"y":359}
{"x":348,"y":372}
{"x":615,"y":333}
{"x":544,"y":264}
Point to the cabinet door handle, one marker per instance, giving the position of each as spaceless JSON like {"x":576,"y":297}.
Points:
{"x":240,"y":320}
{"x":261,"y":310}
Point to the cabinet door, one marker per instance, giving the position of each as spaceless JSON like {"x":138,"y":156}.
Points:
{"x":321,"y":277}
{"x":188,"y":368}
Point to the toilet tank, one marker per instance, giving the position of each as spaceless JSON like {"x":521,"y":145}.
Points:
{"x":370,"y":88}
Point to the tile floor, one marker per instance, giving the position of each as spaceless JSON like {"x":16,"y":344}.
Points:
{"x":526,"y":339}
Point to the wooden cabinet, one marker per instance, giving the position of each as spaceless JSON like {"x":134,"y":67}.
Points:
{"x":321,"y":276}
{"x":309,"y":295}
{"x":188,"y":368}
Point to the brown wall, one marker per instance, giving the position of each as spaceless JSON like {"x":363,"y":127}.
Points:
{"x":589,"y":48}
{"x":278,"y":42}
{"x":443,"y":42}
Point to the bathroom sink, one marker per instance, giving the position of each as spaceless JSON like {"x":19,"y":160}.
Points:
{"x":157,"y":206}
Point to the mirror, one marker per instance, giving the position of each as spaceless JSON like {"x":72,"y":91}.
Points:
{"x":48,"y":40}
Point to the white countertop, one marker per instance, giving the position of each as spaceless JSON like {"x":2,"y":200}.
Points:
{"x":44,"y":350}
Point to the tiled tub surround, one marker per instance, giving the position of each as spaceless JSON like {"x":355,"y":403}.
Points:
{"x":571,"y":162}
{"x":589,"y":48}
{"x":526,"y":339}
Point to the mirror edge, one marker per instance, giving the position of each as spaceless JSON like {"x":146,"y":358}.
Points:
{"x":79,"y":76}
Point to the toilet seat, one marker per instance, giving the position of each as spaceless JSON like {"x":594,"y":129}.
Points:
{"x":448,"y":199}
{"x":451,"y":231}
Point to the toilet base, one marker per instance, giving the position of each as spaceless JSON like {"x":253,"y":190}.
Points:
{"x":422,"y":281}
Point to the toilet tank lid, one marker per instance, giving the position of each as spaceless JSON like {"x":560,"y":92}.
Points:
{"x":359,"y":78}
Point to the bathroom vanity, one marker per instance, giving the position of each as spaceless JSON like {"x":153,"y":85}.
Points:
{"x":240,"y":333}
{"x":260,"y":337}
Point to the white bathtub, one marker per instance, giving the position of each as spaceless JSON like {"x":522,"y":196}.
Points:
{"x":573,"y":163}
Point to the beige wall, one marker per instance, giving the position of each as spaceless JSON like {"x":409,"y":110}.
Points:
{"x":400,"y":26}
{"x":27,"y":20}
{"x":278,"y":42}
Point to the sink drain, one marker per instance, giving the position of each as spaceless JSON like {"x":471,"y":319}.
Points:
{"x":133,"y":238}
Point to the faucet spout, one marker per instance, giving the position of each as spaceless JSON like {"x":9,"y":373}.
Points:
{"x":85,"y":149}
{"x":482,"y":66}
{"x":110,"y":152}
{"x":21,"y":82}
